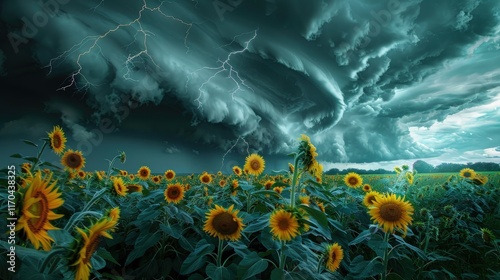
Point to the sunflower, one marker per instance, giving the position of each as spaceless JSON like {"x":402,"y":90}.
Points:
{"x":487,"y":235}
{"x":57,"y":140}
{"x":88,"y":244}
{"x":255,"y":164}
{"x":219,"y":173}
{"x":237,"y":170}
{"x":353,"y":180}
{"x":279,"y":190}
{"x":131,"y":176}
{"x":304,"y":199}
{"x":205,"y":178}
{"x":119,"y":187}
{"x":169,"y":174}
{"x":397,"y":169}
{"x":334,"y":255}
{"x":123,"y":172}
{"x":134,"y":188}
{"x":391,"y":212}
{"x":370,"y":197}
{"x":26,"y":167}
{"x":73,"y":160}
{"x":367,"y":188}
{"x":480,"y":179}
{"x":467,"y":173}
{"x":156,"y":179}
{"x":174,"y":193}
{"x":321,"y":206}
{"x":39,"y":200}
{"x":308,"y":151}
{"x":114,"y":214}
{"x":234,"y":187}
{"x":222,"y":183}
{"x":144,"y":172}
{"x":409,"y":177}
{"x":284,"y":225}
{"x":268,"y":184}
{"x":224,"y":223}
{"x":81,"y":174}
{"x":100,"y":175}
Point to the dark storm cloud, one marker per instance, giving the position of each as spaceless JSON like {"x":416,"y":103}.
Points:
{"x":354,"y":75}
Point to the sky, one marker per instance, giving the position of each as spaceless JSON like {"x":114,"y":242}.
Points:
{"x":198,"y":85}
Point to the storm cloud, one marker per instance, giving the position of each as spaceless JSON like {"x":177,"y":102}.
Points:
{"x":367,"y":81}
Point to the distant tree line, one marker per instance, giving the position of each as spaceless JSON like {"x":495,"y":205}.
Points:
{"x":423,"y":167}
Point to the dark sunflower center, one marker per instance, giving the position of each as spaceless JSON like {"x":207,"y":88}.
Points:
{"x":353,"y":181}
{"x":255,"y":165}
{"x":391,"y":212}
{"x":332,"y":256}
{"x":144,"y":173}
{"x":40,"y":209}
{"x":205,"y":179}
{"x":283,"y":224}
{"x":371,"y":199}
{"x":170,"y":175}
{"x":225,"y":223}
{"x":74,"y":161}
{"x":91,"y":248}
{"x":268,"y":186}
{"x":56,"y":140}
{"x":467,"y":174}
{"x":173,"y":193}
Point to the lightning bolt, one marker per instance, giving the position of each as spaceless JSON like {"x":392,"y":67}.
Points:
{"x":232,"y":147}
{"x":224,"y":67}
{"x":91,"y":43}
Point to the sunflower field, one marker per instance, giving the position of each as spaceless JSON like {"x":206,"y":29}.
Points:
{"x":66,"y":222}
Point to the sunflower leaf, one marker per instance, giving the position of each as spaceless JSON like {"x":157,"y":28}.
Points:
{"x":29,"y":142}
{"x":217,"y":273}
{"x":251,"y":265}
{"x":16,"y":156}
{"x":196,"y":259}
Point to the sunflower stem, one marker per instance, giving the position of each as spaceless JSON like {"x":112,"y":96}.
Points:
{"x":386,"y":256}
{"x":219,"y":253}
{"x":282,"y":256}
{"x":49,"y":257}
{"x":294,"y":178}
{"x":39,"y":155}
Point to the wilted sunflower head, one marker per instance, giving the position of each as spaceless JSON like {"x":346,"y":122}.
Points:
{"x":308,"y":151}
{"x":334,"y":255}
{"x":169,"y":174}
{"x":73,"y":160}
{"x":467,"y":173}
{"x":255,"y":164}
{"x":174,"y":193}
{"x":353,"y":180}
{"x":144,"y":172}
{"x":57,"y":140}
{"x":224,"y":223}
